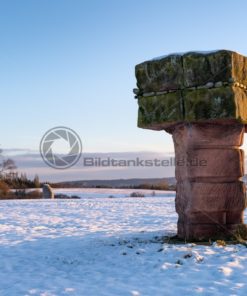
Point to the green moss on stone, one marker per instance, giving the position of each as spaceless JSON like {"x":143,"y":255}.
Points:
{"x":179,"y":71}
{"x":160,"y":75}
{"x":160,"y":109}
{"x":196,"y":69}
{"x":194,"y":105}
{"x":216,"y":103}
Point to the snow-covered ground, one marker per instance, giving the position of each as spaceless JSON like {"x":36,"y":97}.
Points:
{"x":109,"y":246}
{"x":110,"y":192}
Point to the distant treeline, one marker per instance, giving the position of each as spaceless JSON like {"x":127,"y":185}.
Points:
{"x":20,"y":183}
{"x":14,"y":180}
{"x":157,"y":186}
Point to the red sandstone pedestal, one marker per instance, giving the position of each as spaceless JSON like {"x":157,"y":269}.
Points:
{"x":210,"y":197}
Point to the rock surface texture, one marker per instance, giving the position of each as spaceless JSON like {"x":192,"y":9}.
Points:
{"x":201,"y":99}
{"x":47,"y":192}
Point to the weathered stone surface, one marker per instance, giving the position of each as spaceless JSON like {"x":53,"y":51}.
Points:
{"x":199,"y":69}
{"x":180,"y":71}
{"x":210,"y":86}
{"x":209,"y":196}
{"x":200,"y":232}
{"x":204,"y":217}
{"x":193,"y":197}
{"x":239,"y":68}
{"x":47,"y":192}
{"x":159,"y":110}
{"x":223,"y":103}
{"x":216,"y":103}
{"x":208,"y":151}
{"x":203,"y":134}
{"x":160,"y":75}
{"x":211,"y":162}
{"x":235,"y":217}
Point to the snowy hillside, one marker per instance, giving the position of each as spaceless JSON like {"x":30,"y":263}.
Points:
{"x":109,"y":246}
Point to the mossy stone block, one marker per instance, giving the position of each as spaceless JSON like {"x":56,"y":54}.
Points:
{"x":191,"y":69}
{"x":239,"y":68}
{"x":216,"y":103}
{"x":160,"y":75}
{"x":199,"y":68}
{"x":157,"y":111}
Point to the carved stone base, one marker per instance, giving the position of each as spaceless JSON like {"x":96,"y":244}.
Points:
{"x":210,"y":197}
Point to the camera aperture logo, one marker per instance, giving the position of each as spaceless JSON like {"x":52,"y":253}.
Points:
{"x":60,"y":147}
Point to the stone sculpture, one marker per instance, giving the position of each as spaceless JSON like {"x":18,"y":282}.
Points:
{"x":47,"y":192}
{"x":201,"y":99}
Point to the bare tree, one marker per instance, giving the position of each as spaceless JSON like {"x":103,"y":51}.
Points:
{"x":6,"y":165}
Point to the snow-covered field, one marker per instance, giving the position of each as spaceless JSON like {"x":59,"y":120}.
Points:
{"x":109,"y":192}
{"x":109,"y":246}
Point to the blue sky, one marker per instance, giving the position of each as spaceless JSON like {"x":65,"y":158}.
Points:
{"x":71,"y":63}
